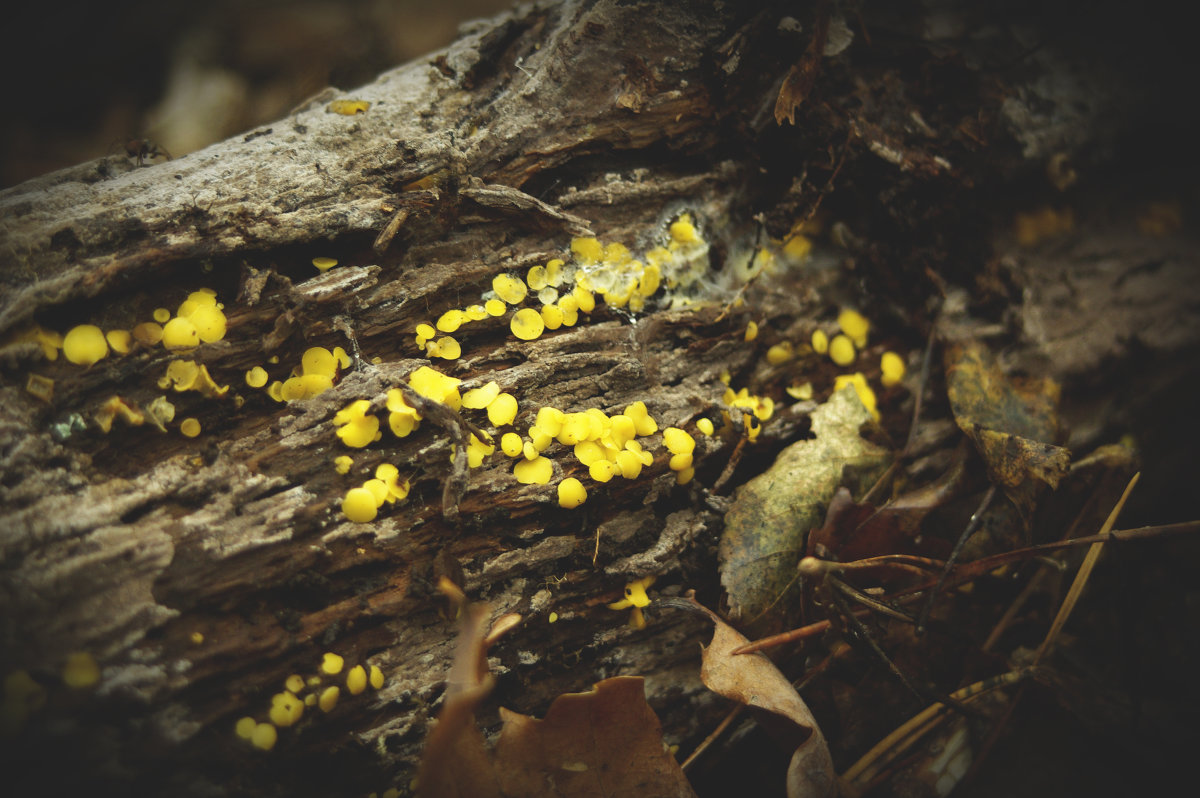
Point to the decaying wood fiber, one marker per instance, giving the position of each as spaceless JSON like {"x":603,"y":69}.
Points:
{"x":543,"y":123}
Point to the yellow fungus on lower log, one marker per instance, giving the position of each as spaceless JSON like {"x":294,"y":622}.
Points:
{"x":356,"y":680}
{"x":685,"y":476}
{"x":509,"y":288}
{"x":375,"y":677}
{"x":197,"y":638}
{"x":355,"y":427}
{"x":348,"y":107}
{"x":481,"y":397}
{"x":331,"y":664}
{"x":751,"y":331}
{"x":85,"y":344}
{"x":451,"y":320}
{"x":630,"y":464}
{"x":527,"y":324}
{"x":571,"y":493}
{"x":180,"y":333}
{"x":502,"y":410}
{"x":120,"y":341}
{"x":161,"y":315}
{"x":820,"y":342}
{"x":294,"y":683}
{"x":511,"y":444}
{"x":552,"y":316}
{"x":891,"y":367}
{"x":678,"y":441}
{"x":495,"y":307}
{"x":432,"y":384}
{"x":802,"y":392}
{"x":275,"y":391}
{"x":286,"y":709}
{"x":245,"y":727}
{"x":680,"y":461}
{"x":534,"y":472}
{"x":359,"y":506}
{"x":80,"y":670}
{"x":587,"y":249}
{"x":855,"y":325}
{"x":553,"y":617}
{"x":148,"y":332}
{"x":324,"y":264}
{"x":841,"y":350}
{"x":865,"y":394}
{"x":257,"y":377}
{"x":329,"y":698}
{"x":705,"y":426}
{"x":190,"y":427}
{"x":603,"y":470}
{"x":780,"y":353}
{"x":264,"y":736}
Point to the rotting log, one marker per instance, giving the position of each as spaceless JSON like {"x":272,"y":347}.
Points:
{"x":541,"y":124}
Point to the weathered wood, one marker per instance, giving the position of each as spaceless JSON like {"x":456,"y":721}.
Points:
{"x":541,"y":124}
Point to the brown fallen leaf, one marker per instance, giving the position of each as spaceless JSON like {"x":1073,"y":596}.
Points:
{"x":1012,"y":423}
{"x":770,"y":516}
{"x":603,"y":742}
{"x":753,"y":680}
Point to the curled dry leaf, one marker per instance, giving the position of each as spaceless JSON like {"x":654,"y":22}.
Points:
{"x":1012,"y":424}
{"x":600,"y":743}
{"x":753,"y":680}
{"x":770,"y":516}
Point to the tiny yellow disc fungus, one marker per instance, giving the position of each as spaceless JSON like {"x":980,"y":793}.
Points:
{"x":509,"y":288}
{"x":865,"y":394}
{"x":571,"y":493}
{"x":680,"y":461}
{"x":161,"y":315}
{"x":256,"y":377}
{"x":425,"y":331}
{"x":705,"y":426}
{"x":197,"y":638}
{"x":446,"y":348}
{"x":552,"y":317}
{"x":375,"y":677}
{"x":779,"y":353}
{"x":80,"y":670}
{"x":180,"y":333}
{"x":685,"y":476}
{"x":356,"y":680}
{"x":797,"y":247}
{"x":209,"y":323}
{"x":245,"y":727}
{"x":120,"y":341}
{"x":286,"y":709}
{"x":275,"y":391}
{"x":324,"y":264}
{"x":804,"y":391}
{"x":377,"y":489}
{"x":534,"y":472}
{"x":148,"y":332}
{"x":318,"y":360}
{"x":475,"y":312}
{"x":751,"y":331}
{"x":588,"y":250}
{"x":528,"y":450}
{"x":841,"y":350}
{"x":331,"y":664}
{"x":677,"y":441}
{"x":891,"y":367}
{"x":527,"y":324}
{"x":854,"y":325}
{"x":820,"y":342}
{"x":85,"y":345}
{"x":603,"y":470}
{"x":495,"y":307}
{"x":585,"y":298}
{"x":502,"y":410}
{"x":629,"y":463}
{"x":642,"y":421}
{"x":355,"y":427}
{"x":432,"y":384}
{"x":683,"y":231}
{"x":264,"y":736}
{"x":329,"y":698}
{"x":536,"y":278}
{"x":588,"y":452}
{"x":553,"y":617}
{"x":190,"y":427}
{"x":359,"y":505}
{"x":635,"y":594}
{"x":548,"y":295}
{"x":348,"y":107}
{"x":294,"y":683}
{"x":451,"y":320}
{"x":511,"y":444}
{"x":481,"y":397}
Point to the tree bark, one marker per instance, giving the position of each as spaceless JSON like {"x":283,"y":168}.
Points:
{"x":550,"y":121}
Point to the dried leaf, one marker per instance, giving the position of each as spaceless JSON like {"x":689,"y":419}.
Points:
{"x":771,"y":514}
{"x":753,"y":680}
{"x":1013,"y":424}
{"x":803,"y":74}
{"x":605,"y":742}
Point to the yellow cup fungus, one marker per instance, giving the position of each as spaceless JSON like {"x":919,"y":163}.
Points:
{"x":256,"y":377}
{"x":495,"y":307}
{"x":477,"y":450}
{"x":820,"y":342}
{"x":161,"y":315}
{"x":678,"y":441}
{"x":180,"y":333}
{"x":509,"y":288}
{"x":511,"y":444}
{"x":527,"y":324}
{"x":356,"y":428}
{"x":286,"y":709}
{"x":841,"y":350}
{"x":348,"y":107}
{"x":603,"y":470}
{"x":329,"y":698}
{"x":294,"y":683}
{"x":891,"y":369}
{"x":356,"y":680}
{"x":481,"y":397}
{"x":120,"y":341}
{"x":804,"y":391}
{"x":324,"y":264}
{"x":855,"y":325}
{"x":402,"y":418}
{"x":446,"y":348}
{"x":190,"y":427}
{"x":571,"y":493}
{"x":552,"y":317}
{"x":80,"y":670}
{"x":587,"y":249}
{"x":245,"y":727}
{"x":502,"y":410}
{"x":148,"y":332}
{"x":375,"y":677}
{"x":705,"y":426}
{"x":115,"y":407}
{"x":642,"y":421}
{"x":434,"y":385}
{"x":751,"y":331}
{"x":533,"y":472}
{"x":635,"y":598}
{"x":331,"y":664}
{"x":359,"y":505}
{"x":264,"y":736}
{"x":780,"y":353}
{"x":85,"y":344}
{"x":865,"y":394}
{"x":451,"y":320}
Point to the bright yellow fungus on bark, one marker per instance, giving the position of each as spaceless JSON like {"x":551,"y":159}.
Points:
{"x":245,"y":727}
{"x":820,"y":342}
{"x":680,"y":461}
{"x":642,"y":421}
{"x":509,"y":288}
{"x":80,"y":670}
{"x":209,"y":323}
{"x":148,"y":332}
{"x":797,"y":247}
{"x":527,"y":324}
{"x":286,"y":709}
{"x":477,"y":450}
{"x":495,"y":307}
{"x":891,"y":367}
{"x":275,"y":391}
{"x":446,"y":348}
{"x":683,"y":231}
{"x":331,"y":664}
{"x":502,"y":410}
{"x":511,"y":444}
{"x":375,"y":677}
{"x":751,"y":331}
{"x":571,"y":493}
{"x":190,"y":427}
{"x":550,"y":420}
{"x":635,"y":594}
{"x":451,"y":320}
{"x":533,"y":472}
{"x":161,"y":315}
{"x":539,"y":439}
{"x":348,"y":107}
{"x":180,"y":333}
{"x":585,"y":299}
{"x":120,"y":341}
{"x":481,"y":397}
{"x":588,"y":250}
{"x":85,"y":345}
{"x":294,"y":683}
{"x":324,"y":264}
{"x":803,"y":392}
{"x":536,"y":278}
{"x":855,"y":325}
{"x":356,"y":680}
{"x":677,"y":441}
{"x":359,"y":506}
{"x":552,"y":316}
{"x":256,"y":377}
{"x":378,"y":491}
{"x":432,"y":384}
{"x":603,"y":470}
{"x":685,"y":476}
{"x":355,"y":427}
{"x":630,"y":464}
{"x":841,"y":350}
{"x":705,"y":426}
{"x":865,"y":394}
{"x":780,"y":353}
{"x":329,"y":698}
{"x":318,"y":360}
{"x":264,"y":736}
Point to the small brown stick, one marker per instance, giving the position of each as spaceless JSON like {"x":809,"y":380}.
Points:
{"x":384,"y":239}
